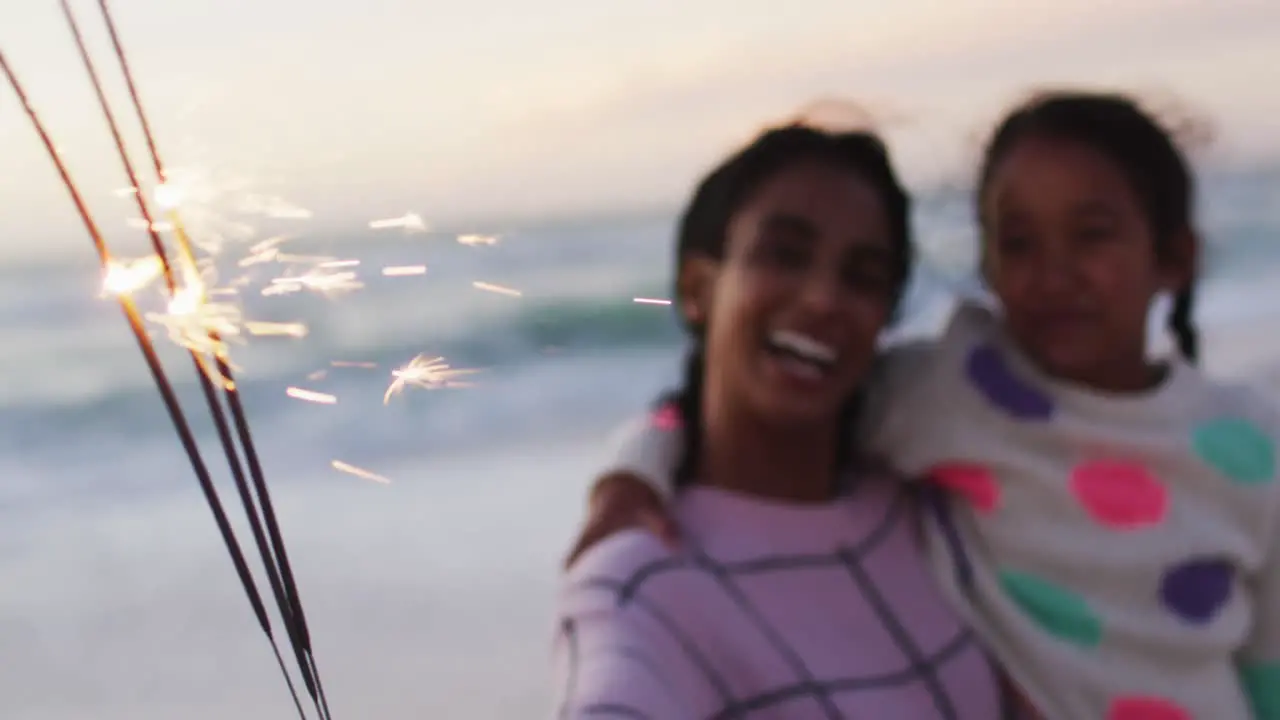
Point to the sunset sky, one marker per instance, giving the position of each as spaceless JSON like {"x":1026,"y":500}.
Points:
{"x":500,"y":108}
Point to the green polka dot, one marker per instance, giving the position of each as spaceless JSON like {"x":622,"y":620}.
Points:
{"x":1056,"y":610}
{"x":1262,"y":683}
{"x":1237,"y":449}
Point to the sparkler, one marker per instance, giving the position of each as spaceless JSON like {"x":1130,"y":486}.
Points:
{"x":490,"y":287}
{"x":358,"y":472}
{"x":197,"y":325}
{"x":297,"y":330}
{"x":279,"y":572}
{"x":410,"y":222}
{"x":474,"y":240}
{"x":403,"y":270}
{"x":319,"y":279}
{"x":424,"y":372}
{"x":311,"y":396}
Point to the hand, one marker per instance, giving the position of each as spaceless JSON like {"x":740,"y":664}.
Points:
{"x":621,"y":501}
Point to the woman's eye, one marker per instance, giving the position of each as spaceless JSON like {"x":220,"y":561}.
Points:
{"x":1013,"y":244}
{"x":868,"y":279}
{"x":1095,"y":233}
{"x":785,"y":255}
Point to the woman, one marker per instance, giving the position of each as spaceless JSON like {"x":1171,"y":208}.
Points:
{"x":800,"y":590}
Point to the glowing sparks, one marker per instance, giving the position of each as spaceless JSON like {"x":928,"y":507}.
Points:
{"x":159,"y":226}
{"x":264,"y":252}
{"x":317,"y":260}
{"x":403,"y":270}
{"x":208,"y":202}
{"x":351,"y":364}
{"x":275,"y":208}
{"x":194,"y":322}
{"x":168,"y":196}
{"x":474,"y":240}
{"x":123,"y":277}
{"x":426,"y":373}
{"x":330,"y":264}
{"x":310,"y":396}
{"x":197,"y":315}
{"x":651,"y":301}
{"x":359,"y":472}
{"x":410,"y":222}
{"x":318,"y":375}
{"x":490,"y":287}
{"x":316,"y":279}
{"x":297,"y":330}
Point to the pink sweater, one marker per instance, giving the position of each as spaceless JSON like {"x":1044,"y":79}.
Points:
{"x":769,"y":610}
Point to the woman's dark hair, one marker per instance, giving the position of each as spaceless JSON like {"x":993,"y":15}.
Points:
{"x":703,"y":232}
{"x":1145,"y":152}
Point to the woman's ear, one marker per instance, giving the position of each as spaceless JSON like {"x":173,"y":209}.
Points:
{"x":694,"y":289}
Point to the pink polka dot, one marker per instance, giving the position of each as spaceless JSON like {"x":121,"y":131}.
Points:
{"x":666,"y":417}
{"x":1146,"y":708}
{"x":1119,"y":495}
{"x":973,"y":481}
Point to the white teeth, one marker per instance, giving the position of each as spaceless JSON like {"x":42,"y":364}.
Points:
{"x":803,"y":346}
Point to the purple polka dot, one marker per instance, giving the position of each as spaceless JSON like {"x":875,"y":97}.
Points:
{"x":1197,"y":589}
{"x":993,"y":377}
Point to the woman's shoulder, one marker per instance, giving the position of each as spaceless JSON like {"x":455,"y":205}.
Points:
{"x":621,"y":567}
{"x":620,"y":557}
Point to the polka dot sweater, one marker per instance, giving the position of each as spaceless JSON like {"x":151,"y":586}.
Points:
{"x":1119,"y":554}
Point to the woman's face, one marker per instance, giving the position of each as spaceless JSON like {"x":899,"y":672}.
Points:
{"x":793,"y":311}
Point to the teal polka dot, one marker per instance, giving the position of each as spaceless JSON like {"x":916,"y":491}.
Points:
{"x":1262,"y":684}
{"x":1238,"y":449}
{"x":1056,"y":610}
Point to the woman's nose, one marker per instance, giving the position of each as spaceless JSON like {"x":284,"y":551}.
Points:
{"x":820,"y":294}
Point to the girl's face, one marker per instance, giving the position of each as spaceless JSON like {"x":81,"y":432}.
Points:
{"x":793,"y":310}
{"x":1071,"y":254}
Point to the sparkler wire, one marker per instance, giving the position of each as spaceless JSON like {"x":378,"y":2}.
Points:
{"x":296,"y":619}
{"x":285,"y":601}
{"x":167,"y":394}
{"x":273,"y":554}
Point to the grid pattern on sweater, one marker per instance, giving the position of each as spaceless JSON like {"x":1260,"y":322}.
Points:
{"x":924,"y":670}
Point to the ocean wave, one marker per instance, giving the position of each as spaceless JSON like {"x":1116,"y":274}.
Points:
{"x":73,"y":371}
{"x":532,"y":332}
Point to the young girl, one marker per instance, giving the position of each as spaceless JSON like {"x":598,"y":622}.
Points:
{"x":1113,"y":530}
{"x":787,"y":600}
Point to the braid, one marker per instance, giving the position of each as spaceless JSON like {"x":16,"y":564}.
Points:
{"x":846,"y":453}
{"x":688,"y":402}
{"x":1182,"y":324}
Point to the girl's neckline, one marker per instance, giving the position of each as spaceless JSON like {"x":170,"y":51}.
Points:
{"x":1168,"y":395}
